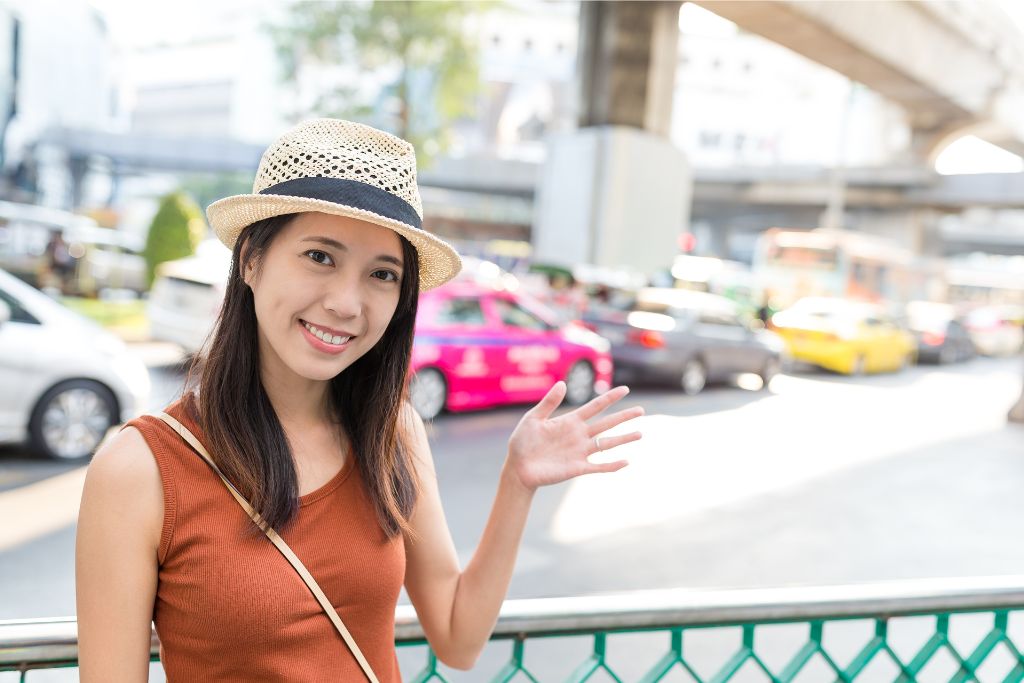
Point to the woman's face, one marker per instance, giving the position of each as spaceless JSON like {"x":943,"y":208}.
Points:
{"x":325,"y":293}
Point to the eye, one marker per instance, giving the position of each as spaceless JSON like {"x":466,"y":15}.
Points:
{"x":321,"y":257}
{"x":386,"y":275}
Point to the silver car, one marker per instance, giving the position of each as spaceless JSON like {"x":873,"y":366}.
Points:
{"x":187,"y":295}
{"x":685,"y":338}
{"x":64,"y":381}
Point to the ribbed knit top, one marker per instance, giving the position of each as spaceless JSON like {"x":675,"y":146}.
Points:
{"x":230,"y":608}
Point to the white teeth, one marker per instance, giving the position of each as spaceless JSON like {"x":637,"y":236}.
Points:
{"x":325,"y":337}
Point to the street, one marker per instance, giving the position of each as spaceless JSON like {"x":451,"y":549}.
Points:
{"x":821,"y":479}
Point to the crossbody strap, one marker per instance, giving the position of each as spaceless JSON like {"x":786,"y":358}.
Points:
{"x":279,"y":543}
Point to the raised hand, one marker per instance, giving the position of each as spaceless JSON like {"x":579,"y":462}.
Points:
{"x":547,"y":450}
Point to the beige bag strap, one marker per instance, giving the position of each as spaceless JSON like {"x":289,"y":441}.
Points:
{"x":279,"y":543}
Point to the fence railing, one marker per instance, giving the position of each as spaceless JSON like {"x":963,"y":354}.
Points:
{"x":986,"y":647}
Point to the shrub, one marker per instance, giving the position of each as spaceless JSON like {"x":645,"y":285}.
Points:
{"x":177,"y":229}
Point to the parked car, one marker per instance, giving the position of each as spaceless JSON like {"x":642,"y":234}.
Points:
{"x":110,"y":259}
{"x":687,"y":338}
{"x":479,"y":346}
{"x":64,"y":381}
{"x":186,"y":296}
{"x":844,"y":336}
{"x":996,"y":330}
{"x":941,"y":335}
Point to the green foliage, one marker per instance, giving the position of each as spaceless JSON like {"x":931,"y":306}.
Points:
{"x":207,"y":188}
{"x":177,"y":229}
{"x":422,"y":50}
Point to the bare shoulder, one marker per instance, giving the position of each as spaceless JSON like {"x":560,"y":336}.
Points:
{"x":123,"y":478}
{"x":125,"y":461}
{"x":416,"y":437}
{"x":410,"y":422}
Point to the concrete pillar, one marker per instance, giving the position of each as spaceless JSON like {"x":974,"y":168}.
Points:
{"x":617,"y":192}
{"x":78,"y":168}
{"x":627,"y":64}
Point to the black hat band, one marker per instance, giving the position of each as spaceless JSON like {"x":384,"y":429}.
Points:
{"x":351,"y":193}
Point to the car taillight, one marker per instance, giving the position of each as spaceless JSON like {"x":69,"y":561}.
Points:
{"x":650,"y":339}
{"x":933,"y":338}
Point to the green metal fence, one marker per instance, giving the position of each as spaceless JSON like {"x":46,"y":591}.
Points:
{"x":924,"y":630}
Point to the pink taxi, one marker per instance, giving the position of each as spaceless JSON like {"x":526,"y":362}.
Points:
{"x":479,"y":346}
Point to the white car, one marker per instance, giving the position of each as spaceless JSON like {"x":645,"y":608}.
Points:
{"x":997,"y":330}
{"x":64,"y":380}
{"x":187,"y":295}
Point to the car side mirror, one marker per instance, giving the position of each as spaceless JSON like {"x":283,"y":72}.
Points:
{"x":5,"y":313}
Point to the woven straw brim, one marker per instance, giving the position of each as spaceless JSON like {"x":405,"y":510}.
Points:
{"x":439,"y":263}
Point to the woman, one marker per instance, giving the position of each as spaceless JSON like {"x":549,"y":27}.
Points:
{"x":299,"y":401}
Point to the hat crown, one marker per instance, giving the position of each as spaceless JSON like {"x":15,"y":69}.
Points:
{"x":332,"y":148}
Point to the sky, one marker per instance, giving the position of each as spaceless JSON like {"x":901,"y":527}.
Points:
{"x":133,"y":23}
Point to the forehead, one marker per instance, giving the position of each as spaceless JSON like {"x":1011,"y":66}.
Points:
{"x":352,"y":232}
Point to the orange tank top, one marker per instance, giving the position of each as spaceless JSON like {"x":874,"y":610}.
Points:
{"x":230,"y":608}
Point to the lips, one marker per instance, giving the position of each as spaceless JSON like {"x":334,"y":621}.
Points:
{"x":327,"y":340}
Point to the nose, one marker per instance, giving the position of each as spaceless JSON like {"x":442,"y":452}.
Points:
{"x":343,"y":297}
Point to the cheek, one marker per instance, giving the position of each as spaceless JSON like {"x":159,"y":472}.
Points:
{"x":383,"y":313}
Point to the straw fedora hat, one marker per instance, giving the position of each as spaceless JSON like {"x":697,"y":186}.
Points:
{"x":345,"y":169}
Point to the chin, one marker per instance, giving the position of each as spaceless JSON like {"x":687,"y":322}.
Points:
{"x":318,"y":370}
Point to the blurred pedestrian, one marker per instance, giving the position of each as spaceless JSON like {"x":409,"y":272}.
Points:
{"x":59,"y":261}
{"x":765,"y":311}
{"x":298,"y":402}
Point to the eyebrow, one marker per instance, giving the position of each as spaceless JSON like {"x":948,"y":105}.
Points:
{"x":329,"y":242}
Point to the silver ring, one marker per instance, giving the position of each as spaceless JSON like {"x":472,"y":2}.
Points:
{"x":597,"y":442}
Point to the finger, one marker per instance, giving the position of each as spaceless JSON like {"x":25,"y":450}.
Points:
{"x":597,"y":468}
{"x":610,"y":442}
{"x":614,"y":420}
{"x":550,"y":402}
{"x":595,"y":406}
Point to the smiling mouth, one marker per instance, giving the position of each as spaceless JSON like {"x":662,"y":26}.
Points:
{"x":326,"y":336}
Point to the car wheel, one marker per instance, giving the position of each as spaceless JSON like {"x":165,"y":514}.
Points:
{"x":428,"y":393}
{"x":695,"y":376}
{"x":579,"y":383}
{"x":771,"y":367}
{"x":72,"y":418}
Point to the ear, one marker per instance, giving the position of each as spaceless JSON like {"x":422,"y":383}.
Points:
{"x":246,"y":268}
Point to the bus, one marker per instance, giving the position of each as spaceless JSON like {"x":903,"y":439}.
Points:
{"x":792,"y":264}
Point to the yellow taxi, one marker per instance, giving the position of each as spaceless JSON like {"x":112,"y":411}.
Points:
{"x":850,"y":337}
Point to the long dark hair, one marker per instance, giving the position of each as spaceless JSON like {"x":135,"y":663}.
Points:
{"x":242,"y":430}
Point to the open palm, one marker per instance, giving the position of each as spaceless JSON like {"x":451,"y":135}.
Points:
{"x":547,"y":450}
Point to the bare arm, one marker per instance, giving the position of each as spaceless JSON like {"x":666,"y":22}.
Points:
{"x":119,"y":527}
{"x":458,"y":608}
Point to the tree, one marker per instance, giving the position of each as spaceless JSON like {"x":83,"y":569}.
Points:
{"x":177,"y":229}
{"x":421,"y":50}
